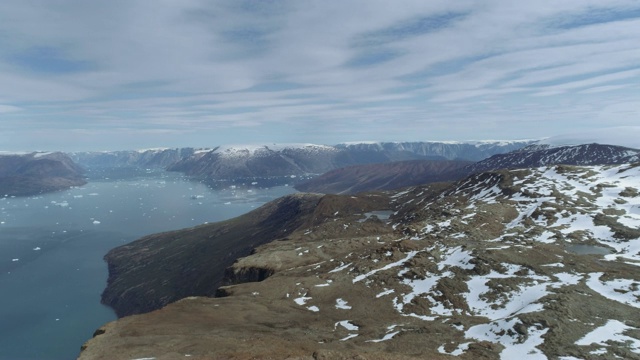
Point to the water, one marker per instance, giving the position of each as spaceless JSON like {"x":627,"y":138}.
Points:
{"x":383,"y":215}
{"x":51,"y":248}
{"x":582,"y":249}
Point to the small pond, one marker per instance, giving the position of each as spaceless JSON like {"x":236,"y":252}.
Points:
{"x":583,"y":249}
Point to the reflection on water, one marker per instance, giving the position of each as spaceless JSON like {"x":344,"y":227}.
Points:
{"x":51,"y":248}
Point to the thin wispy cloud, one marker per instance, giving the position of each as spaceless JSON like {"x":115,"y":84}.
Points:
{"x":125,"y":74}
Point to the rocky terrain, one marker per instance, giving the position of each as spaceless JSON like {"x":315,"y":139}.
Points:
{"x":37,"y":173}
{"x":541,"y":155}
{"x":531,"y":263}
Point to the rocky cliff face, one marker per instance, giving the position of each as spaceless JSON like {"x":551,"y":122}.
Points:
{"x":531,"y":263}
{"x":37,"y":173}
{"x":156,"y":270}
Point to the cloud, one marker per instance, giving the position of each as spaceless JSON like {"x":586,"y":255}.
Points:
{"x":8,"y":108}
{"x":233,"y":71}
{"x":628,"y":136}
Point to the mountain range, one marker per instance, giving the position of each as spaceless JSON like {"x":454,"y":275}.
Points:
{"x":229,"y":163}
{"x":392,"y":175}
{"x":279,"y":160}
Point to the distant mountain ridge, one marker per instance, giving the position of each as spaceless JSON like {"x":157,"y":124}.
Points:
{"x":37,"y":172}
{"x":385,"y":176}
{"x":129,"y":158}
{"x":450,"y":150}
{"x":299,"y":159}
{"x":395,"y":175}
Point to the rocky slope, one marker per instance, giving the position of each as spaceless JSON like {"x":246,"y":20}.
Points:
{"x":37,"y":173}
{"x":543,"y":155}
{"x":385,"y":176}
{"x":532,"y":264}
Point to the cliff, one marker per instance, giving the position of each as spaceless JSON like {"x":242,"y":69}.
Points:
{"x":156,"y":270}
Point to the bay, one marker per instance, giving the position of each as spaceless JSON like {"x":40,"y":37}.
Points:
{"x":52,"y":246}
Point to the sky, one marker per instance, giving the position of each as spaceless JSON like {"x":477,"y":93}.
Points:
{"x":131,"y":74}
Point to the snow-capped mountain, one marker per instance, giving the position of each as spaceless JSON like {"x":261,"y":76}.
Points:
{"x":131,"y":158}
{"x":299,"y":159}
{"x":450,"y":150}
{"x":233,"y":162}
{"x":537,"y":263}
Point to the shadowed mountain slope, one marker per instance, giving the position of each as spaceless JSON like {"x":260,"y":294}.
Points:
{"x":385,"y":176}
{"x":37,"y":173}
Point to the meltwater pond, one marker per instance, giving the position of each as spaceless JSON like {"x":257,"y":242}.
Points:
{"x":51,"y":248}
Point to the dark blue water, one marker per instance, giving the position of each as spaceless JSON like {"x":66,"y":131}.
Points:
{"x":51,"y":248}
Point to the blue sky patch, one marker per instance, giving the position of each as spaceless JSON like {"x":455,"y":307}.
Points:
{"x":49,"y":60}
{"x":274,"y":86}
{"x":585,"y":76}
{"x":408,"y":29}
{"x":369,"y":58}
{"x":595,"y":17}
